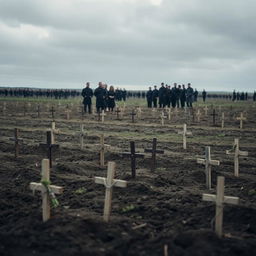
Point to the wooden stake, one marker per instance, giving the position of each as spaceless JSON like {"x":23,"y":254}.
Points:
{"x":208,"y":169}
{"x":109,"y":183}
{"x":16,"y":140}
{"x":222,"y":120}
{"x":45,"y":193}
{"x":241,"y":119}
{"x":133,"y":114}
{"x":220,"y":199}
{"x":102,"y":114}
{"x":102,"y":148}
{"x":162,"y":118}
{"x":237,"y":153}
{"x":185,"y":133}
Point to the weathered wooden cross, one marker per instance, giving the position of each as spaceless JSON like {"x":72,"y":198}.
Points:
{"x":220,"y":199}
{"x":214,"y":117}
{"x":185,"y":133}
{"x":103,"y":114}
{"x":49,"y":146}
{"x":241,"y":118}
{"x":198,"y":115}
{"x":52,"y":111}
{"x":48,"y":191}
{"x":82,"y":134}
{"x":54,"y":131}
{"x":169,"y":114}
{"x":102,"y":147}
{"x":139,"y":112}
{"x":133,"y":114}
{"x":222,"y":120}
{"x":117,"y":113}
{"x":153,"y":151}
{"x":237,"y":152}
{"x":38,"y":111}
{"x":133,"y":155}
{"x":109,"y":184}
{"x":208,"y":162}
{"x":16,"y":140}
{"x":162,"y":116}
{"x":68,"y":111}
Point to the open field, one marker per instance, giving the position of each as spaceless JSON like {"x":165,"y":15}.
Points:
{"x":158,"y":209}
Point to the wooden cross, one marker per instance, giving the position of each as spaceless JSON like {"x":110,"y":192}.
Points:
{"x":206,"y":110}
{"x":109,"y":183}
{"x":54,"y":131}
{"x":185,"y":133}
{"x":67,"y":111}
{"x":46,"y":191}
{"x":241,"y":118}
{"x":102,"y":147}
{"x":38,"y":111}
{"x":49,"y":146}
{"x":103,"y":114}
{"x":214,"y":117}
{"x":169,"y":114}
{"x":52,"y":111}
{"x":133,"y":114}
{"x":222,"y":119}
{"x":133,"y":155}
{"x":236,"y":154}
{"x":208,"y":162}
{"x":220,"y":199}
{"x":117,"y":113}
{"x":153,"y":151}
{"x":16,"y":140}
{"x":198,"y":115}
{"x":139,"y":111}
{"x":162,"y":116}
{"x":82,"y":134}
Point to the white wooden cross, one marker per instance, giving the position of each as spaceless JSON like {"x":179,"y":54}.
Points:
{"x":109,"y":183}
{"x":102,"y":114}
{"x":208,"y":162}
{"x":102,"y":147}
{"x":198,"y":115}
{"x":185,"y":133}
{"x":162,"y":118}
{"x":220,"y":199}
{"x":45,"y":191}
{"x":68,"y":111}
{"x":241,"y":118}
{"x":169,"y":114}
{"x":54,"y":131}
{"x":82,"y":134}
{"x":236,"y":154}
{"x":206,"y":110}
{"x":222,"y":119}
{"x":139,"y":112}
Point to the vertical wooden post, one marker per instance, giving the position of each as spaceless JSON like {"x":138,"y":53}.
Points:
{"x":222,"y":120}
{"x":219,"y":206}
{"x":16,"y":139}
{"x":133,"y":159}
{"x":102,"y":151}
{"x":208,"y":168}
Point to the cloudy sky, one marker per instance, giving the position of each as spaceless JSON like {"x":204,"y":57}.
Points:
{"x":132,"y":43}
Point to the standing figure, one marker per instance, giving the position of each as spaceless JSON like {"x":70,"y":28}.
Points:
{"x":173,"y":95}
{"x":155,"y":96}
{"x":195,"y":95}
{"x":87,"y":93}
{"x":189,"y":96}
{"x":149,"y":96}
{"x":204,"y":95}
{"x":111,"y":98}
{"x":161,"y":94}
{"x":183,"y":96}
{"x":100,"y":94}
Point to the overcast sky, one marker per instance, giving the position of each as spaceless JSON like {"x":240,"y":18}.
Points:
{"x":65,"y":43}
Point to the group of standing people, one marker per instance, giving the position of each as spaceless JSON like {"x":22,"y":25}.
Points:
{"x":176,"y":96}
{"x":105,"y":99}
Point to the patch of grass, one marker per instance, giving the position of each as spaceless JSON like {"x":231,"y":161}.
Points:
{"x":80,"y":191}
{"x":128,"y":208}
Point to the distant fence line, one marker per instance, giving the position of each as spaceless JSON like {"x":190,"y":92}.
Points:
{"x":68,"y":93}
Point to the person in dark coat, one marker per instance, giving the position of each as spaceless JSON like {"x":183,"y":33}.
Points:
{"x":183,"y":96}
{"x":100,"y":94}
{"x":155,"y":96}
{"x":173,"y":95}
{"x":111,"y":98}
{"x":87,"y":93}
{"x":149,"y":97}
{"x":204,"y":95}
{"x":189,"y":96}
{"x":161,"y":94}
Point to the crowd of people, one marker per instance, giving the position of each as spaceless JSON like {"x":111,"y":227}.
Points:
{"x":105,"y":98}
{"x":177,"y":96}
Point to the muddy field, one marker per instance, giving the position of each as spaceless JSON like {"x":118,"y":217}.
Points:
{"x":158,"y":209}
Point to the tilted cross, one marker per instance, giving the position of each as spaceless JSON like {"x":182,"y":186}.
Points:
{"x":48,"y":191}
{"x":237,"y":152}
{"x":49,"y":146}
{"x":133,"y":155}
{"x":16,"y":140}
{"x":208,"y":162}
{"x":185,"y":133}
{"x":162,"y":116}
{"x":241,"y":118}
{"x":153,"y":151}
{"x":109,"y":183}
{"x":220,"y":199}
